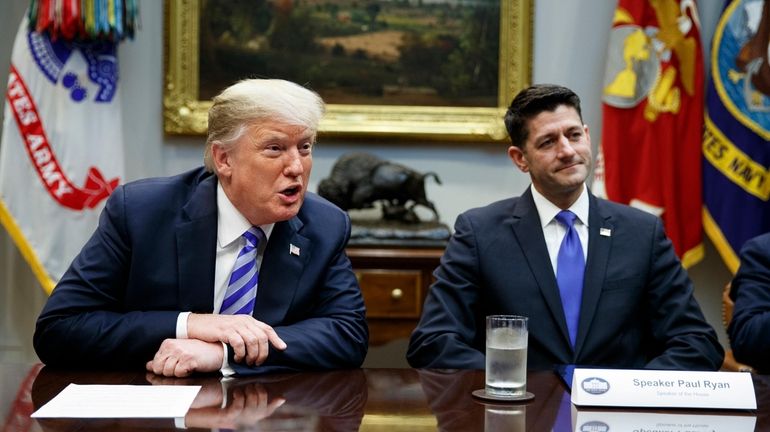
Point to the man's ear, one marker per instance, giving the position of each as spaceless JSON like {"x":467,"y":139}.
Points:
{"x":519,"y":159}
{"x":221,"y":159}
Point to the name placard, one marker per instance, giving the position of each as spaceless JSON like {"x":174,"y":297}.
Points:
{"x":662,"y":389}
{"x":609,"y":421}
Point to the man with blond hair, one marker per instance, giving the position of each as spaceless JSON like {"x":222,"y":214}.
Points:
{"x":232,"y":267}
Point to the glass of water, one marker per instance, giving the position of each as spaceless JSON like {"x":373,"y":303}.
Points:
{"x":506,"y":368}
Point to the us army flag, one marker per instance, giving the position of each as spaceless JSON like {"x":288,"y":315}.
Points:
{"x":653,"y":117}
{"x":61,"y":153}
{"x":736,"y":142}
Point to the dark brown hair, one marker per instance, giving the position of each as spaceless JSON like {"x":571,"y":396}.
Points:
{"x":532,"y":101}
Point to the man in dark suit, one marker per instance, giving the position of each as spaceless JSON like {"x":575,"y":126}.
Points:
{"x":232,"y":267}
{"x":599,"y":281}
{"x":749,"y":328}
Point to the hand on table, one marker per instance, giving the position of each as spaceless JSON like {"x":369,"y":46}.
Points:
{"x":182,"y":357}
{"x":248,"y":337}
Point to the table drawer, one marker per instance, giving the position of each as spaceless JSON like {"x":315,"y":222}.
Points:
{"x":391,"y":293}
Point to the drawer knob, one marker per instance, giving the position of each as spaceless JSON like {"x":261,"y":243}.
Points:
{"x":396,"y":294}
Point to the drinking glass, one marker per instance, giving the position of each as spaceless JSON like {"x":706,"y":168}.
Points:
{"x":506,"y":368}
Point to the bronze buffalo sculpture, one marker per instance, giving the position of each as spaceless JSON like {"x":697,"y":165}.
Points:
{"x":359,"y":180}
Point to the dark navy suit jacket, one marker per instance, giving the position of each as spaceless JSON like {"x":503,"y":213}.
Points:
{"x":637,"y":310}
{"x":749,"y":329}
{"x":153,"y":255}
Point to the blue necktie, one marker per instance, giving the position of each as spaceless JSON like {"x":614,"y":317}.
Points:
{"x":242,"y":287}
{"x":570,"y":267}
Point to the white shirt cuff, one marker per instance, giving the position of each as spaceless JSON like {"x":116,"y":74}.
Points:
{"x":179,"y":423}
{"x":181,"y":325}
{"x":226,"y":370}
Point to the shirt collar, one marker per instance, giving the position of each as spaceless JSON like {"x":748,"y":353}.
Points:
{"x":548,"y":210}
{"x":231,"y":224}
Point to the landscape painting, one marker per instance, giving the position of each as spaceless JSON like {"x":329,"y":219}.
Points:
{"x":436,"y":69}
{"x":392,"y":52}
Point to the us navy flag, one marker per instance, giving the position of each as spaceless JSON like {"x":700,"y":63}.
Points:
{"x":736,"y":147}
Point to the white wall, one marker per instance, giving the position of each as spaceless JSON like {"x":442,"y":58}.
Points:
{"x":570,"y":41}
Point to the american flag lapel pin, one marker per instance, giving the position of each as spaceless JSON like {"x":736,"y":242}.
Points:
{"x":606,"y":232}
{"x":293,"y":250}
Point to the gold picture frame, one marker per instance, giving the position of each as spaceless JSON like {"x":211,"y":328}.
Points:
{"x":185,"y":114}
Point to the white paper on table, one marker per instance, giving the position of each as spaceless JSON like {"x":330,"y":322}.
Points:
{"x":119,"y":401}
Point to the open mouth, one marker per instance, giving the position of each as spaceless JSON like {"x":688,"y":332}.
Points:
{"x":294,"y":190}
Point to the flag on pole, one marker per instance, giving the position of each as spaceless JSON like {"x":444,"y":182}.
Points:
{"x":652,"y":98}
{"x":61,"y":153}
{"x":736,"y":140}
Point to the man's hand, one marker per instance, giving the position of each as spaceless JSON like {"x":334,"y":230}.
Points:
{"x":181,"y":357}
{"x":248,"y":337}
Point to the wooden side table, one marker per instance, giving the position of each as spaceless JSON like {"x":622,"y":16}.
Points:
{"x":394,"y":282}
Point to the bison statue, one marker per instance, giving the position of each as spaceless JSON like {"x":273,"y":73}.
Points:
{"x":359,"y":180}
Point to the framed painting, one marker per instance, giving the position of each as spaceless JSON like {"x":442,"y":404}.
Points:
{"x":417,"y":69}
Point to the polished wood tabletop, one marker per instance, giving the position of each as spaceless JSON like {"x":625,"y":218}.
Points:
{"x":350,"y":400}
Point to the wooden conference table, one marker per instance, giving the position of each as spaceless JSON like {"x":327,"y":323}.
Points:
{"x":364,"y":399}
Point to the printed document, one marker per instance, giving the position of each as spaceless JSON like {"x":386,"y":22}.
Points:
{"x":119,"y":401}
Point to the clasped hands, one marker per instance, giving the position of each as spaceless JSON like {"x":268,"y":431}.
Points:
{"x":203,"y":352}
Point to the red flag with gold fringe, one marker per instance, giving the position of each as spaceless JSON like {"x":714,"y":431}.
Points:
{"x":653,"y":117}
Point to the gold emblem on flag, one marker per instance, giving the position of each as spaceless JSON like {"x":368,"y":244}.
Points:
{"x":639,"y":66}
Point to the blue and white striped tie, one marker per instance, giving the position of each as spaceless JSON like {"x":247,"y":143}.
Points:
{"x":242,"y":287}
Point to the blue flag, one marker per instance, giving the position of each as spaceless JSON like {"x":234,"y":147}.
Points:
{"x":736,"y":141}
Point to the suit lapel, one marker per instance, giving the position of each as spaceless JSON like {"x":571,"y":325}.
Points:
{"x":529,"y":234}
{"x":599,"y":246}
{"x":196,"y":241}
{"x":281,"y":270}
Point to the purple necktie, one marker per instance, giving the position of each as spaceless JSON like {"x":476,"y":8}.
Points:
{"x":570,"y":267}
{"x":242,"y":286}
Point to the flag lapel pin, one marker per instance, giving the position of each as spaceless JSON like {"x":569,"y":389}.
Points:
{"x":606,"y":232}
{"x":293,"y":250}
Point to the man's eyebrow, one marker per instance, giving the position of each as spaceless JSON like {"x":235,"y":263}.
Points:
{"x":310,"y":137}
{"x":546,"y":134}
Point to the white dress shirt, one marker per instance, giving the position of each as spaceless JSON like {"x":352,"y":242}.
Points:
{"x":231,"y":225}
{"x":230,"y":228}
{"x":554,"y":231}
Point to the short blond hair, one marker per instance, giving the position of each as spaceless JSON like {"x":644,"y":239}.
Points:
{"x":251,"y":101}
